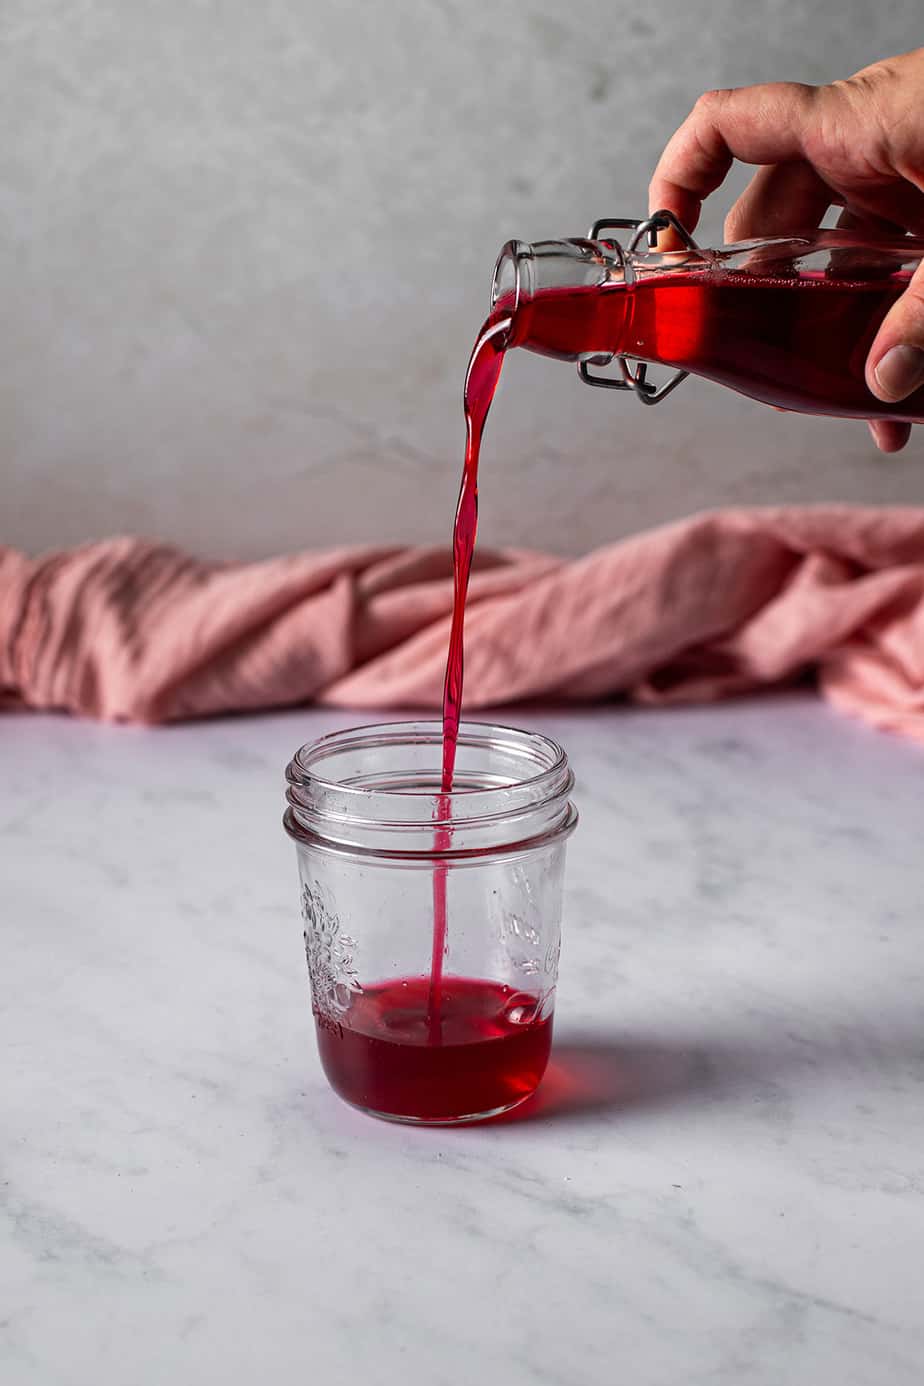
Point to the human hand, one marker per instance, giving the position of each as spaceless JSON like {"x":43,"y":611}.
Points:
{"x":857,"y":144}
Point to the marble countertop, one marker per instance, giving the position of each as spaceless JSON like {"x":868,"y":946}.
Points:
{"x":728,"y":1188}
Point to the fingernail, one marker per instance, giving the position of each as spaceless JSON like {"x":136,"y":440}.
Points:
{"x":900,"y":371}
{"x":888,"y":435}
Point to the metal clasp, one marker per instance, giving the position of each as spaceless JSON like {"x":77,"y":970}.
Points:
{"x":647,"y":229}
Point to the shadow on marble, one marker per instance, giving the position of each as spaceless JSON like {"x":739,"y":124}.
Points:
{"x":588,"y":1076}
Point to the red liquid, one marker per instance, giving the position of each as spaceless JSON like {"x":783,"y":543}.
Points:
{"x":492,"y":1052}
{"x":484,"y":370}
{"x":798,"y":343}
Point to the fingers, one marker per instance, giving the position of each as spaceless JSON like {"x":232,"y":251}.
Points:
{"x":865,"y":221}
{"x":895,"y":364}
{"x":783,"y":198}
{"x":892,"y":205}
{"x":760,"y":125}
{"x":889,"y":435}
{"x":779,"y":199}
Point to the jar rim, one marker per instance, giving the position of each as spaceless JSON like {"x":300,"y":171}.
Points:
{"x":511,"y":790}
{"x":428,"y":732}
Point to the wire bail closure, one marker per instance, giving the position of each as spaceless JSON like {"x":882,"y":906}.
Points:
{"x":647,"y":229}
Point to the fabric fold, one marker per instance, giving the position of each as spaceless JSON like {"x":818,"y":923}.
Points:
{"x":721,"y":603}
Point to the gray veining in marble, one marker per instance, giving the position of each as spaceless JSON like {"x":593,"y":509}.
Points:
{"x":723,"y":1180}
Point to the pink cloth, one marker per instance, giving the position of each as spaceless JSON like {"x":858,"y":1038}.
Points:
{"x":712,"y":606}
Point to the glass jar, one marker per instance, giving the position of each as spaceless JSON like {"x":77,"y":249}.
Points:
{"x":406,"y":1030}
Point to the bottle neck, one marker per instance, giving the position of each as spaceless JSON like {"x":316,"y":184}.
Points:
{"x":523,"y":271}
{"x":567,"y":298}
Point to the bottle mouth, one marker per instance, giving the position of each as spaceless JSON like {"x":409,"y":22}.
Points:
{"x":523,"y":270}
{"x":513,"y":276}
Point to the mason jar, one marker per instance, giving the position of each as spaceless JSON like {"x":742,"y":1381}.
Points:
{"x":432,"y":921}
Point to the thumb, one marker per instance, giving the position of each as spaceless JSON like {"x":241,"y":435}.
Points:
{"x":895,"y":365}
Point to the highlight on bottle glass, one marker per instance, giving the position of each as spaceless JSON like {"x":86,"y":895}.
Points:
{"x":431,"y":920}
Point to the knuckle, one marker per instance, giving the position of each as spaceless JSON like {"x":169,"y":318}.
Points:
{"x":794,"y":103}
{"x":872,"y":78}
{"x":800,"y":92}
{"x":841,"y":138}
{"x":712,"y":100}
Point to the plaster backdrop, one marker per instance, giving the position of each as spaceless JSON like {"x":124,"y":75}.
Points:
{"x":244,"y":250}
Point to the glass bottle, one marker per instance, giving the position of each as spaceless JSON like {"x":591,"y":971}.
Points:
{"x":788,"y":320}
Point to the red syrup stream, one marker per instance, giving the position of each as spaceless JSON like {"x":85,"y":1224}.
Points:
{"x":481,"y":379}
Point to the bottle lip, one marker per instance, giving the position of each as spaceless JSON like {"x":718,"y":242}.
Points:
{"x":523,"y":269}
{"x":513,"y":275}
{"x":375,"y":790}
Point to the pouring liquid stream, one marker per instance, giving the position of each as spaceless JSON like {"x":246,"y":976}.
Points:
{"x":481,"y":380}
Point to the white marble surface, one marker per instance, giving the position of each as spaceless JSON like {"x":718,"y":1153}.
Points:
{"x":731,"y":1189}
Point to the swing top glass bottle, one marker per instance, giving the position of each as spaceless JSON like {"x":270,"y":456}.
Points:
{"x":787,"y":320}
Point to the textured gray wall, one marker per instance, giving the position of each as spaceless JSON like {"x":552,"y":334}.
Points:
{"x":244,"y":249}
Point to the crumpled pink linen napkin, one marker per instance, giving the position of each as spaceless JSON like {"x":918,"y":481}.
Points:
{"x":717,"y":604}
